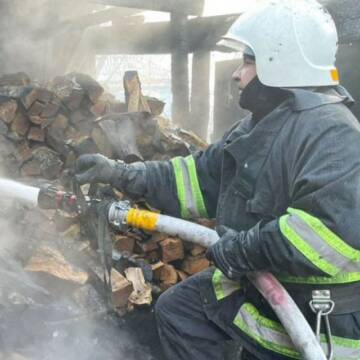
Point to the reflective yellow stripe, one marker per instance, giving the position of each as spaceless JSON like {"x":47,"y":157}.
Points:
{"x":321,"y":247}
{"x":311,"y":254}
{"x":180,"y":187}
{"x":188,"y":188}
{"x":223,"y":286}
{"x":327,"y":235}
{"x":196,"y":187}
{"x":318,"y":280}
{"x":270,"y":335}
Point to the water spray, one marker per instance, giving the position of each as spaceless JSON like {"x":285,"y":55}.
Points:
{"x":14,"y":190}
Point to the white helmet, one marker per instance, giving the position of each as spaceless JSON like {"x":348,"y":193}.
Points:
{"x":294,"y":42}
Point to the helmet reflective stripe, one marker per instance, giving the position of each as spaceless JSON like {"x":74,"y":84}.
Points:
{"x":294,"y":42}
{"x":272,"y":336}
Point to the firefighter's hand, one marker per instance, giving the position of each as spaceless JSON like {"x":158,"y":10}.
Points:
{"x":96,"y":168}
{"x":229,"y":254}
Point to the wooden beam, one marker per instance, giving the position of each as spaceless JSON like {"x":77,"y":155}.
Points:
{"x":180,"y":70}
{"x":155,"y":38}
{"x":200,"y":93}
{"x":189,"y":7}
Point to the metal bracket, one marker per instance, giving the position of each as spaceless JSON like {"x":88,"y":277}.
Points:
{"x":322,"y":305}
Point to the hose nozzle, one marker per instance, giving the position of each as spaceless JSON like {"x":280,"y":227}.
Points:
{"x":52,"y":198}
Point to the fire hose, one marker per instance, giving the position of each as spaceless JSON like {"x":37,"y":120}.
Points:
{"x":121,"y":216}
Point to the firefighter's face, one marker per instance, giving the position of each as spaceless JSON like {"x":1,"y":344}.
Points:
{"x":245,"y":72}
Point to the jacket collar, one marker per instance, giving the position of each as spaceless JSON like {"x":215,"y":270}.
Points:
{"x":304,"y":99}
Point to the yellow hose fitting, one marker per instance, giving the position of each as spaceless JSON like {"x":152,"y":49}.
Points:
{"x":142,"y":219}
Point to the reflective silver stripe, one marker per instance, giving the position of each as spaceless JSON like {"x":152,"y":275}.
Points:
{"x":189,"y":198}
{"x":343,"y":353}
{"x":271,"y":335}
{"x":277,"y":341}
{"x":322,"y":247}
{"x":223,"y":286}
{"x":229,"y":286}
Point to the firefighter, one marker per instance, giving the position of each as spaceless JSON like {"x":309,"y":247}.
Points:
{"x":284,"y":187}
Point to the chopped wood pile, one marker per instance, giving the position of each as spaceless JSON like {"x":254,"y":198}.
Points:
{"x":43,"y":129}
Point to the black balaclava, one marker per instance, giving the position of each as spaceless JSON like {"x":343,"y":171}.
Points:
{"x":260,"y":99}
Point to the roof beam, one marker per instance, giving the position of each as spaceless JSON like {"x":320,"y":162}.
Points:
{"x":189,"y":7}
{"x":156,"y":38}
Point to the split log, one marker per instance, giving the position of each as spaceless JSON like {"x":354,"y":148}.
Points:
{"x":169,"y":143}
{"x":56,"y":136}
{"x":68,"y":91}
{"x":121,"y":133}
{"x":36,"y":108}
{"x":121,"y":289}
{"x":197,"y":250}
{"x":8,"y":111}
{"x":60,"y":122}
{"x":51,"y":109}
{"x":181,"y":275}
{"x":83,"y":145}
{"x":168,"y":274}
{"x":36,"y":93}
{"x":172,"y":249}
{"x":37,"y":120}
{"x":156,"y":269}
{"x":20,"y":125}
{"x":36,"y":134}
{"x":51,"y":262}
{"x":142,"y":291}
{"x":156,"y":106}
{"x":43,"y":162}
{"x":194,"y":264}
{"x":82,"y":119}
{"x":158,"y":236}
{"x":134,"y":98}
{"x":91,"y":87}
{"x":124,"y":243}
{"x":192,"y":139}
{"x":147,"y":246}
{"x":168,"y":277}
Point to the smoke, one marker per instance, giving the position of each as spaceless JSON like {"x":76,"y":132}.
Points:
{"x":36,"y":36}
{"x":39,"y":316}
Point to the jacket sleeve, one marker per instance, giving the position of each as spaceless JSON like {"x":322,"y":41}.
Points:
{"x":318,"y":234}
{"x":186,"y":187}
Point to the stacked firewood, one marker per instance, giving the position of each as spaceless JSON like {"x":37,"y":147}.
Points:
{"x":44,"y":128}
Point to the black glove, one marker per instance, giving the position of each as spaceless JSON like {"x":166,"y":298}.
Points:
{"x":229,"y":253}
{"x":96,"y":168}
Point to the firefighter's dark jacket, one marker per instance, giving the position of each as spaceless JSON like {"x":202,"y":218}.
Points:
{"x":304,"y":155}
{"x":289,"y":185}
